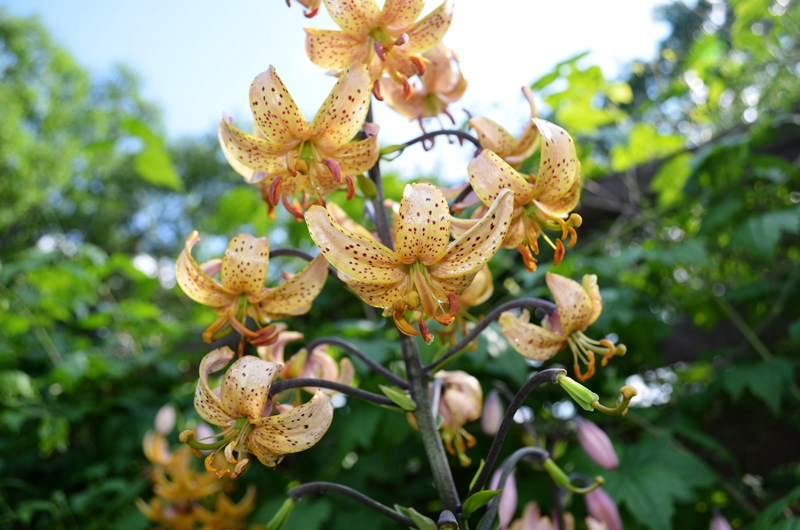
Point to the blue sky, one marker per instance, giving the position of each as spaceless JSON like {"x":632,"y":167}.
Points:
{"x":197,"y":58}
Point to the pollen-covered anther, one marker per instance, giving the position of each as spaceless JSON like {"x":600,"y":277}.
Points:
{"x":402,"y":39}
{"x":403,"y":325}
{"x":423,"y":328}
{"x":210,"y":466}
{"x":336,"y":171}
{"x":527,"y":257}
{"x":229,"y":453}
{"x":376,"y":90}
{"x":379,"y":50}
{"x":448,"y":319}
{"x":419,"y":63}
{"x":293,"y":207}
{"x":560,"y":252}
{"x":291,"y":162}
{"x":351,"y":187}
{"x":274,"y":194}
{"x":311,"y":13}
{"x":240,"y":468}
{"x":406,"y":87}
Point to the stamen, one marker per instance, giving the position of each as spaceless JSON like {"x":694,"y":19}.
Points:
{"x":275,"y":191}
{"x":291,"y":160}
{"x":376,"y":90}
{"x":420,"y":64}
{"x":229,"y":452}
{"x":527,"y":258}
{"x":402,"y":39}
{"x":379,"y":50}
{"x":426,"y":334}
{"x":403,"y":325}
{"x":406,"y":87}
{"x":351,"y":187}
{"x":560,"y":251}
{"x":293,"y":208}
{"x":336,"y":171}
{"x":308,"y":14}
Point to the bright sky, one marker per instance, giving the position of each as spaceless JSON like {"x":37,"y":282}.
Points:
{"x":197,"y":58}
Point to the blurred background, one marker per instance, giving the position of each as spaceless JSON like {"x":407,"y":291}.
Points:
{"x":686,"y":119}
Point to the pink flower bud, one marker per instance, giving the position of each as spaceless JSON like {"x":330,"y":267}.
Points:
{"x":597,"y":444}
{"x":492,"y":414}
{"x":602,"y":507}
{"x":165,"y":419}
{"x":508,"y":499}
{"x":719,"y":523}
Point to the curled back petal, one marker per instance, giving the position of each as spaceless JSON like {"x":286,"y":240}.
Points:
{"x":558,"y":168}
{"x":206,"y":402}
{"x":589,"y":284}
{"x":334,"y":50}
{"x":489,"y":174}
{"x":343,"y":112}
{"x":480,"y":290}
{"x":291,"y":432}
{"x":493,"y":136}
{"x":242,"y":149}
{"x":275,"y":112}
{"x":532,"y":341}
{"x":563,"y":205}
{"x":423,"y":227}
{"x":458,"y":226}
{"x":198,"y":285}
{"x":358,"y":257}
{"x":296,"y":295}
{"x":426,"y":33}
{"x":469,"y":253}
{"x":244,"y":267}
{"x":357,"y":157}
{"x":398,"y":15}
{"x":245,"y":387}
{"x":529,"y":139}
{"x":574,"y":304}
{"x":356,"y":17}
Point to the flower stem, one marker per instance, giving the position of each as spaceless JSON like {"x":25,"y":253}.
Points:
{"x":351,"y":349}
{"x":381,"y":221}
{"x":324,"y":487}
{"x":301,"y":382}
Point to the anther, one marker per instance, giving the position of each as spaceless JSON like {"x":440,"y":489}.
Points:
{"x":336,"y":171}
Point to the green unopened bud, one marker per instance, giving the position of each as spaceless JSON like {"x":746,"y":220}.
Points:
{"x":556,"y":473}
{"x":277,"y":522}
{"x":582,"y":395}
{"x":366,"y":186}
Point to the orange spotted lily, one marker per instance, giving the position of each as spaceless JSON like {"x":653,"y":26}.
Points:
{"x":495,"y":138}
{"x":442,"y":84}
{"x":240,"y":292}
{"x":389,"y":40}
{"x":426,"y":272}
{"x":577,"y":307}
{"x":542,"y":201}
{"x":242,"y":407}
{"x":286,"y":156}
{"x":461,"y":402}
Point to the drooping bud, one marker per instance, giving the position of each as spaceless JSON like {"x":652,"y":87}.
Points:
{"x":508,"y":499}
{"x":600,"y":506}
{"x":596,"y":444}
{"x":165,"y":420}
{"x":492,"y":413}
{"x":719,"y":523}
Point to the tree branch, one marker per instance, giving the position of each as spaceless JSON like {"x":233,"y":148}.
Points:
{"x":351,"y":349}
{"x":301,"y":382}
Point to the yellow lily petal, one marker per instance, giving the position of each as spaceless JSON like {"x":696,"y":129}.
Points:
{"x":245,"y":387}
{"x":357,"y":157}
{"x":426,"y":33}
{"x":565,"y":204}
{"x":489,"y":174}
{"x":207,"y":403}
{"x":423,"y":229}
{"x":291,"y":432}
{"x":398,"y":15}
{"x":334,"y":50}
{"x":532,"y":341}
{"x":342,"y":113}
{"x":480,"y":290}
{"x":493,"y":137}
{"x":244,"y":267}
{"x":379,"y":295}
{"x":355,"y":17}
{"x":575,"y":307}
{"x":358,"y":257}
{"x":589,"y":284}
{"x":275,"y":111}
{"x":558,"y":168}
{"x":529,"y":139}
{"x":458,"y":226}
{"x":250,"y":151}
{"x":319,"y":181}
{"x":196,"y":283}
{"x":469,"y":253}
{"x":295,"y":296}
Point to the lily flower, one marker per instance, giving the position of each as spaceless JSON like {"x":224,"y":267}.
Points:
{"x":427,"y":272}
{"x":532,"y":519}
{"x":498,"y":140}
{"x":480,"y":290}
{"x":461,"y":402}
{"x":577,"y":307}
{"x":542,"y":201}
{"x":240,"y":292}
{"x":286,"y":156}
{"x":242,"y":407}
{"x":442,"y":83}
{"x":389,"y":40}
{"x":312,"y":7}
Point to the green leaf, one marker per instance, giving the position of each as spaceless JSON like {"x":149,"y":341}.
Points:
{"x":399,"y":397}
{"x":152,"y":163}
{"x":774,"y":510}
{"x":645,"y":143}
{"x":767,"y":381}
{"x":477,"y":474}
{"x":422,"y":522}
{"x":671,"y":178}
{"x":477,"y":501}
{"x":760,"y":235}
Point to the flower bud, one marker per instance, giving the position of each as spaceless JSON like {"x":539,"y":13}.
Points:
{"x":165,"y":420}
{"x":719,"y":523}
{"x":492,"y":413}
{"x":596,"y":444}
{"x":600,"y":506}
{"x":508,"y":499}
